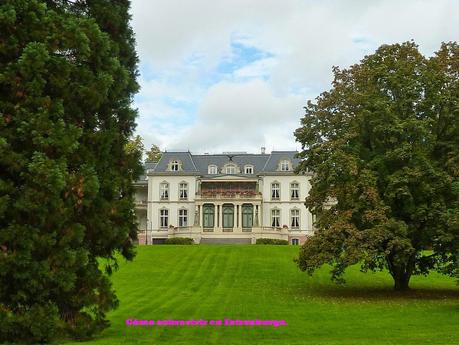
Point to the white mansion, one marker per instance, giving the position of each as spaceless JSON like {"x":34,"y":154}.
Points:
{"x":223,"y":198}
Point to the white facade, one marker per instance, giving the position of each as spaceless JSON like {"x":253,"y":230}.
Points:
{"x":227,"y":198}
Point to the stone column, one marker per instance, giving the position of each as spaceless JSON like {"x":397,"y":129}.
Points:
{"x":240,"y":216}
{"x":220,"y":216}
{"x":235,"y":208}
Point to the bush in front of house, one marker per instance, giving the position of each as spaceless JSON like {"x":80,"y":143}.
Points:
{"x":271,"y":241}
{"x":179,"y":240}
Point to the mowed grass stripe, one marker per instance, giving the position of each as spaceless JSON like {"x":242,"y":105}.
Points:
{"x":249,"y":282}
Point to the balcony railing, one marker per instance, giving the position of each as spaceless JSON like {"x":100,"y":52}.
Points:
{"x":228,"y":194}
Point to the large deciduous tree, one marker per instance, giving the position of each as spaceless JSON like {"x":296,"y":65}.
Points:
{"x":67,"y":78}
{"x":383,"y":146}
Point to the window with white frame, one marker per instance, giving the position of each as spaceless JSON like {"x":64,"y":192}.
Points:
{"x":175,"y":165}
{"x":212,"y":169}
{"x":285,"y":165}
{"x":183,"y":217}
{"x":230,"y":169}
{"x":164,"y":191}
{"x":295,"y":218}
{"x":248,"y":169}
{"x":183,"y":191}
{"x":275,"y":218}
{"x":294,"y":191}
{"x":164,"y":218}
{"x":275,"y":191}
{"x":295,"y":241}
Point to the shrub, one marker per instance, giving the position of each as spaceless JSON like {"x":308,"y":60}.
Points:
{"x":179,"y":240}
{"x":271,"y":241}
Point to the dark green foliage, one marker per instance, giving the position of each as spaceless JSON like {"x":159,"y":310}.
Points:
{"x":179,"y":240}
{"x":271,"y":241}
{"x":67,"y":78}
{"x":383,"y":144}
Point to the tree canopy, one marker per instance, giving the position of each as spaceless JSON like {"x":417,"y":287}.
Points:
{"x":383,"y":146}
{"x":154,"y":154}
{"x":67,"y":79}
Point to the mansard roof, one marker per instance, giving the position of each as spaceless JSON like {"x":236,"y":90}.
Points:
{"x":197,"y":164}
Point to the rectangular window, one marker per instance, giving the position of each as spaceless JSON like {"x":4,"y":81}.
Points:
{"x":164,"y":191}
{"x":294,"y":191}
{"x":183,"y":191}
{"x":295,"y":219}
{"x":285,"y":166}
{"x":249,"y":170}
{"x":275,"y":191}
{"x":275,"y":218}
{"x":164,"y":218}
{"x":183,"y":218}
{"x":295,"y":241}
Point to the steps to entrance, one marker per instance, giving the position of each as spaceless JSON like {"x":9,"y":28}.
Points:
{"x":226,"y":241}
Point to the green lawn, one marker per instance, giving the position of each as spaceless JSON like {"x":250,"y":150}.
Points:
{"x":262,"y":282}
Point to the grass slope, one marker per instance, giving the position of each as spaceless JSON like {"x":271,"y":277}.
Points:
{"x":262,"y":282}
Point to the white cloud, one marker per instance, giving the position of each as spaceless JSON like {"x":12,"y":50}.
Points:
{"x":184,"y":42}
{"x":242,"y":116}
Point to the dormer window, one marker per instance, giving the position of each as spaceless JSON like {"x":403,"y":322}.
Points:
{"x":212,"y":170}
{"x":230,"y":169}
{"x":284,"y":165}
{"x":248,"y":169}
{"x":175,"y":165}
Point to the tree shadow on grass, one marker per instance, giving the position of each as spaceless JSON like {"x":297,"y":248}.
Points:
{"x":383,"y":293}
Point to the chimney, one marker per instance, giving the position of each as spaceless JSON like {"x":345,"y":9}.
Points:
{"x":263,"y":150}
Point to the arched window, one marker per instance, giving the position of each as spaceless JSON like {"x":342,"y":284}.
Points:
{"x":212,"y":169}
{"x":208,"y":211}
{"x":247,"y":216}
{"x":228,"y":216}
{"x":230,"y":169}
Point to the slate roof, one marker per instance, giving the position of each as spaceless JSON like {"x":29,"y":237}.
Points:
{"x":198,"y":164}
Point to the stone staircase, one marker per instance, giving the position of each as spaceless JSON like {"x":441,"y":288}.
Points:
{"x":225,"y":241}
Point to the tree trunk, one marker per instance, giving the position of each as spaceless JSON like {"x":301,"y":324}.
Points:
{"x":401,"y":282}
{"x":401,"y":272}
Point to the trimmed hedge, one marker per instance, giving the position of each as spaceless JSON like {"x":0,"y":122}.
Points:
{"x":271,"y":241}
{"x":179,"y":240}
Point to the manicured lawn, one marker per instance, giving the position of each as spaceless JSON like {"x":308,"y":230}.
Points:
{"x":262,"y":282}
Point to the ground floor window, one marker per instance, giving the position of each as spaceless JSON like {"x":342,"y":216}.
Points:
{"x":228,"y":216}
{"x":247,"y":216}
{"x":295,"y":241}
{"x":164,"y":218}
{"x":295,"y":218}
{"x":208,"y":211}
{"x":183,"y":218}
{"x":275,"y":218}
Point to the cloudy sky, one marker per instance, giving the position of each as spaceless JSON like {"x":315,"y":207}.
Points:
{"x":234,"y":75}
